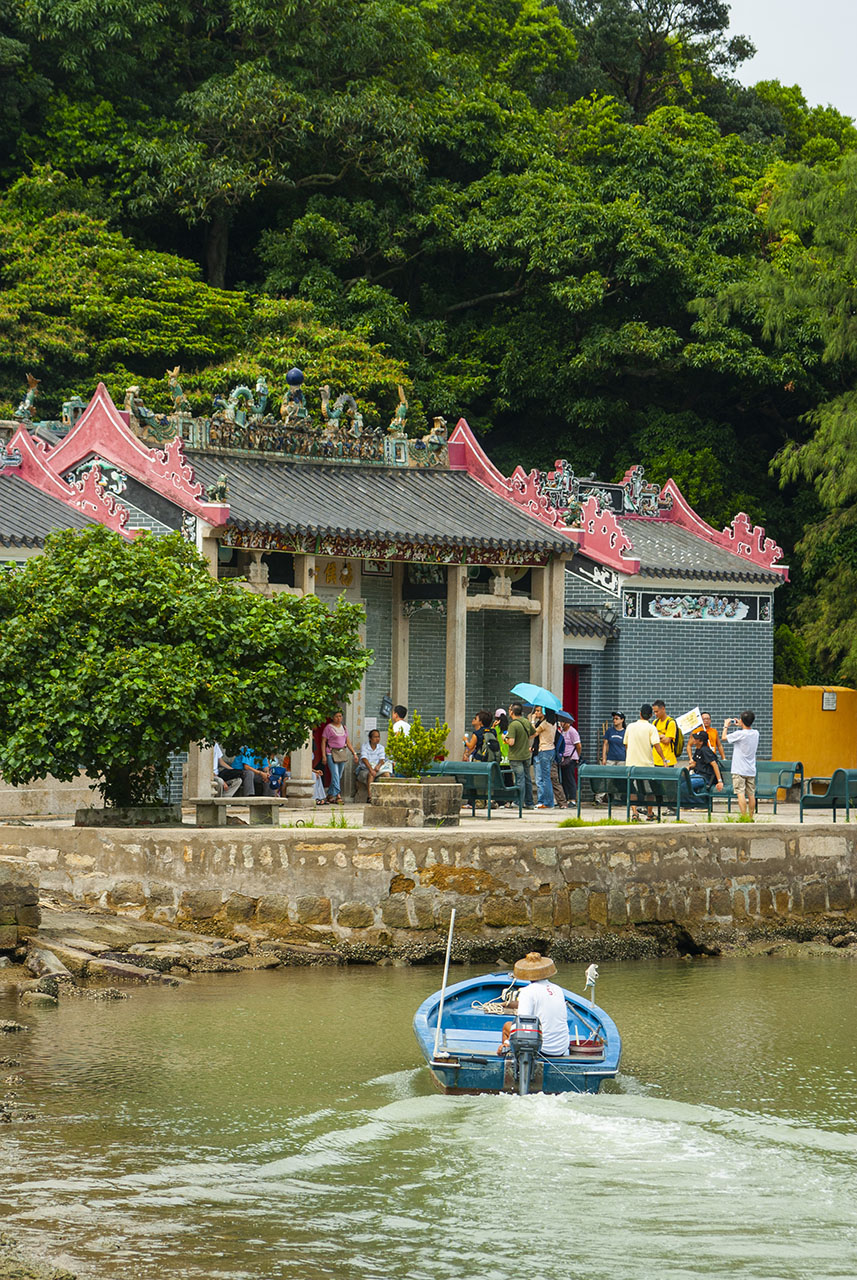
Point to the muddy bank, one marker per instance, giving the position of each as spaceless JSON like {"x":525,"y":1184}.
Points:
{"x":15,"y":1266}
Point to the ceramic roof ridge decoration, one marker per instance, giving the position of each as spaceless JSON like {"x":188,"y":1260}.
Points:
{"x":102,"y":432}
{"x":741,"y":538}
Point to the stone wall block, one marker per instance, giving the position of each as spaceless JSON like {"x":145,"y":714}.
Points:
{"x":394,"y":912}
{"x":542,"y":911}
{"x":272,"y":908}
{"x":839,"y":895}
{"x":739,"y":904}
{"x":239,"y":906}
{"x":355,"y":915}
{"x":617,"y":908}
{"x":782,"y":902}
{"x":126,"y":893}
{"x":312,"y":910}
{"x":597,"y":909}
{"x":505,"y":912}
{"x":720,"y":902}
{"x":28,"y":919}
{"x":578,"y":901}
{"x":200,"y":904}
{"x":467,"y":915}
{"x":814,"y":898}
{"x":561,"y":909}
{"x":8,"y":937}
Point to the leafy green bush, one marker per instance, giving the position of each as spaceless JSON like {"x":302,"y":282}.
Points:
{"x":413,"y":753}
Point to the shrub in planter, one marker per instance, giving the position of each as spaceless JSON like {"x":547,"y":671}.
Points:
{"x":415,"y":752}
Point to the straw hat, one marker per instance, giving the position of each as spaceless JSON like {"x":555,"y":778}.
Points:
{"x":534,"y":967}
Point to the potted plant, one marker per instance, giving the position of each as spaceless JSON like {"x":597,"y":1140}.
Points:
{"x":414,"y":797}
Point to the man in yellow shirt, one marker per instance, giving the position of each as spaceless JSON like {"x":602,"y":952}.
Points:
{"x":667,"y":732}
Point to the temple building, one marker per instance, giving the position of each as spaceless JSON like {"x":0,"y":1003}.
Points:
{"x":608,"y":594}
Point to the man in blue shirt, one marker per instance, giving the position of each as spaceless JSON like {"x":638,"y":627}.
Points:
{"x":613,"y":746}
{"x":255,"y":770}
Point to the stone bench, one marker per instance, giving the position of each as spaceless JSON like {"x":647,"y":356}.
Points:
{"x":264,"y":810}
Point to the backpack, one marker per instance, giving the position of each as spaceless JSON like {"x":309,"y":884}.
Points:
{"x":559,"y":747}
{"x":490,"y":752}
{"x":679,"y":741}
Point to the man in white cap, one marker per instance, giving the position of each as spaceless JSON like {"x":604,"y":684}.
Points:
{"x":544,"y":1000}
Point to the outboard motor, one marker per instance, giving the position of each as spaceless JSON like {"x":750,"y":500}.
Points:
{"x":525,"y":1042}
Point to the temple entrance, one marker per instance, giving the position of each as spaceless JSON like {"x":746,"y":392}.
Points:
{"x":571,"y":690}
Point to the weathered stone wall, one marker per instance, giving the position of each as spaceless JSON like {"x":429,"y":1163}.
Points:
{"x":366,"y":891}
{"x":19,"y":901}
{"x":46,"y":798}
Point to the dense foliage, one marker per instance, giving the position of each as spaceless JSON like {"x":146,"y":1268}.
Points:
{"x":115,"y":654}
{"x":565,"y":221}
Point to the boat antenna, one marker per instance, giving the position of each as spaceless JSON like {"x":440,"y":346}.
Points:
{"x":591,"y":977}
{"x":443,"y":986}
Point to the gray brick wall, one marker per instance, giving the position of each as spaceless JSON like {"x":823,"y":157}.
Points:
{"x":427,"y":664}
{"x":506,"y":649}
{"x":378,"y":594}
{"x":724,"y":667}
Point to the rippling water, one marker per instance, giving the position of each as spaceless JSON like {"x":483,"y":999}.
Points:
{"x":270,"y":1125}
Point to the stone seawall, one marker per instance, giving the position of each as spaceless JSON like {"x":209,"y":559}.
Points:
{"x":366,"y":894}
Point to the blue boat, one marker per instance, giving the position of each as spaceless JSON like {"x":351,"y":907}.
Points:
{"x":463,"y":1057}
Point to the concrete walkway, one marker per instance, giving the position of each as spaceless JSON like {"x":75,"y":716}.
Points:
{"x":351,"y":815}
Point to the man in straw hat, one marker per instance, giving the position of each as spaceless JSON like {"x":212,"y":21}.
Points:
{"x":544,"y":1000}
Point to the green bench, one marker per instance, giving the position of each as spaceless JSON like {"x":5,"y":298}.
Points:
{"x":841,"y":793}
{"x":481,"y":780}
{"x":771,"y":777}
{"x":655,"y":786}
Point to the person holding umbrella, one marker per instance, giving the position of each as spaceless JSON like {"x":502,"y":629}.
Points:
{"x":544,"y":754}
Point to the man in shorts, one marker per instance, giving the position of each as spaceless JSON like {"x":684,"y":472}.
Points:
{"x":745,"y":740}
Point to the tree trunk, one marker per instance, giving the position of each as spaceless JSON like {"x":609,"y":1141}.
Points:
{"x":216,"y":250}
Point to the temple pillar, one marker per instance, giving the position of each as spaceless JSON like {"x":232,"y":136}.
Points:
{"x":401,"y":639}
{"x":456,"y":657}
{"x":547,"y":638}
{"x":299,"y":788}
{"x":538,"y":592}
{"x":198,"y":778}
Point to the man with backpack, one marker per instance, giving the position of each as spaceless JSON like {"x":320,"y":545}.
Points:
{"x":483,"y":744}
{"x":672,"y":739}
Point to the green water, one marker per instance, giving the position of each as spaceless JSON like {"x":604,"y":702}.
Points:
{"x":279,"y":1124}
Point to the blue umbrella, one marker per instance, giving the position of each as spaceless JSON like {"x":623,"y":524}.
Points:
{"x":536,"y":696}
{"x":565,"y":715}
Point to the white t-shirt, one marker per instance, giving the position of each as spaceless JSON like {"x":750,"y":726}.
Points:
{"x":218,"y":756}
{"x":375,"y":755}
{"x":545,"y":1001}
{"x":639,"y":739}
{"x":746,"y":742}
{"x":402,"y":726}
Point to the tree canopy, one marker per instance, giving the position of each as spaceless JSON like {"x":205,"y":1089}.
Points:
{"x":116,"y":654}
{"x":565,"y":221}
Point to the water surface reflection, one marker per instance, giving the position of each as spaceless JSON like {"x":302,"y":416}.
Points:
{"x":279,"y":1124}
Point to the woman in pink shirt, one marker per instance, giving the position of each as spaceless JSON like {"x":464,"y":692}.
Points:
{"x":335,"y":746}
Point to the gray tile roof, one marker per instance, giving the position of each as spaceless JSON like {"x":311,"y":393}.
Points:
{"x":665,"y":550}
{"x":27,"y":515}
{"x":394,"y":503}
{"x":588,"y":622}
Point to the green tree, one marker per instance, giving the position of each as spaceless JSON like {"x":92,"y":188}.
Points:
{"x":809,"y":285}
{"x":115,"y":654}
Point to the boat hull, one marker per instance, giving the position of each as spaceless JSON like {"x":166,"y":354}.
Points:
{"x":472,"y":1021}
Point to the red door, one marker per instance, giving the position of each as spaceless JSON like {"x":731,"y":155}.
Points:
{"x":570,"y":689}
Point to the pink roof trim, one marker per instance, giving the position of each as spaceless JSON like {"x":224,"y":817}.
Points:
{"x":102,"y":429}
{"x":741,"y":538}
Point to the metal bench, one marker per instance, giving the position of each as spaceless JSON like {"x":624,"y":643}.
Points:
{"x":841,"y":793}
{"x":772,"y":776}
{"x":655,"y":786}
{"x":264,"y":810}
{"x":481,"y":780}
